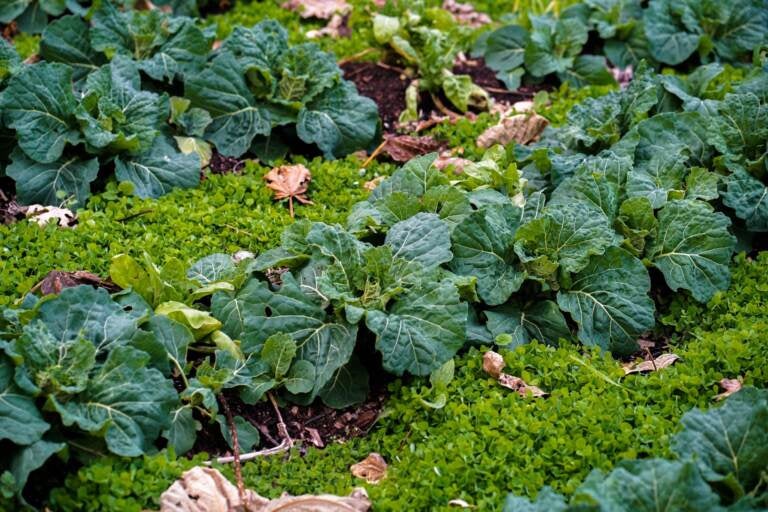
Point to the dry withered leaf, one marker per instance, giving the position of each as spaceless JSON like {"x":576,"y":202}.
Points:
{"x":56,"y":280}
{"x":375,"y":182}
{"x":521,"y":128}
{"x":466,"y":14}
{"x":653,"y":365}
{"x":372,"y":469}
{"x":402,"y":148}
{"x":63,"y":217}
{"x":337,"y":27}
{"x":322,"y":9}
{"x":206,"y":490}
{"x":729,"y":387}
{"x":446,"y":160}
{"x":493,"y":363}
{"x":289,"y":182}
{"x":460,"y":503}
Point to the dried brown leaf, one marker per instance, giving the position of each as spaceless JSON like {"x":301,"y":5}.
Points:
{"x":519,"y":385}
{"x":206,"y":490}
{"x":289,"y":182}
{"x":466,"y":14}
{"x":373,"y":468}
{"x":659,"y":363}
{"x":55,"y":281}
{"x":63,"y":217}
{"x":729,"y":387}
{"x":493,"y":363}
{"x":338,"y":26}
{"x":323,"y":9}
{"x":375,"y":182}
{"x":521,"y":128}
{"x":460,"y":503}
{"x":402,"y":148}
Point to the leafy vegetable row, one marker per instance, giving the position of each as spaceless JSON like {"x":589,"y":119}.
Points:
{"x":109,"y":94}
{"x":669,"y":32}
{"x":720,"y":465}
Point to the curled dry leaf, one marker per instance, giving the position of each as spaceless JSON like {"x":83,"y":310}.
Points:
{"x":56,"y":280}
{"x":466,"y":14}
{"x":729,"y":387}
{"x":322,"y":9}
{"x":206,"y":490}
{"x":460,"y":503}
{"x":402,"y":148}
{"x":446,"y":160}
{"x":520,"y":128}
{"x":493,"y":363}
{"x":653,"y":365}
{"x":289,"y":182}
{"x":63,"y":217}
{"x":375,"y":182}
{"x":337,"y":27}
{"x":373,"y":468}
{"x":242,"y":255}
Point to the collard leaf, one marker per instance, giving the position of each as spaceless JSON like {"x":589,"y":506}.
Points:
{"x":126,"y":402}
{"x":701,"y":184}
{"x":30,"y":458}
{"x":247,"y":434}
{"x":749,"y":199}
{"x":339,"y":121}
{"x":278,"y":352}
{"x":541,"y":320}
{"x":609,"y":301}
{"x":300,"y":378}
{"x":90,"y":313}
{"x":52,"y":183}
{"x":656,"y":484}
{"x":483,"y":247}
{"x":670,"y":40}
{"x":212,"y":269}
{"x":598,"y":190}
{"x":636,"y":222}
{"x":182,"y":432}
{"x":505,"y":48}
{"x":10,"y":62}
{"x":422,"y":330}
{"x":553,"y":44}
{"x":159,"y":170}
{"x":348,"y":386}
{"x":546,"y":501}
{"x":39,"y":104}
{"x":587,"y":70}
{"x":183,"y":53}
{"x":236,"y":116}
{"x":729,"y":443}
{"x":66,"y":40}
{"x":414,"y":178}
{"x":658,"y":177}
{"x":258,"y":49}
{"x":565,"y":236}
{"x":20,"y":420}
{"x":422,"y":238}
{"x":693,"y":248}
{"x":174,"y":338}
{"x":741,"y":128}
{"x":200,"y":323}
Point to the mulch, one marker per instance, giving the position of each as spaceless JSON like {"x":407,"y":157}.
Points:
{"x":384,"y":85}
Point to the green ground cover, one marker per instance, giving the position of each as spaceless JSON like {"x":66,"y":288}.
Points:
{"x":488,"y":441}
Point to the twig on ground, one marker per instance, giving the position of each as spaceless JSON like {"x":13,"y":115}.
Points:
{"x":442,"y":108}
{"x":374,"y":154}
{"x":236,"y":449}
{"x":356,"y":56}
{"x":281,"y":427}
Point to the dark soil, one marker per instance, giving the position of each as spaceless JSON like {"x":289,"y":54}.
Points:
{"x":10,"y":210}
{"x":314,"y":425}
{"x":384,"y":85}
{"x":485,"y":77}
{"x":221,"y":164}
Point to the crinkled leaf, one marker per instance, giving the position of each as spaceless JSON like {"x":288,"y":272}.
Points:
{"x":749,"y":199}
{"x":52,"y":183}
{"x":39,"y":104}
{"x":183,"y":53}
{"x":66,"y":40}
{"x":247,"y":433}
{"x":546,"y":501}
{"x":693,"y":248}
{"x":200,"y":323}
{"x":20,"y":419}
{"x":348,"y":385}
{"x":587,"y":70}
{"x":422,"y":330}
{"x":158,"y":170}
{"x":553,"y":44}
{"x":541,"y":320}
{"x":29,"y":458}
{"x":670,"y":40}
{"x":609,"y":301}
{"x":211,"y":269}
{"x":423,"y":238}
{"x":125,"y":402}
{"x":505,"y":48}
{"x":658,"y":177}
{"x":182,"y":432}
{"x":278,"y":352}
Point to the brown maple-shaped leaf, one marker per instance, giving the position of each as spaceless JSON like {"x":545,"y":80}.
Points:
{"x":322,"y":9}
{"x":493,"y":363}
{"x":729,"y":387}
{"x":289,"y":182}
{"x":652,"y":365}
{"x":402,"y":148}
{"x":521,"y":128}
{"x":373,"y":468}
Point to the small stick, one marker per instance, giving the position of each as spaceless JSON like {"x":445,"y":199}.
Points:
{"x":282,"y":447}
{"x":134,"y":215}
{"x":374,"y":154}
{"x":442,"y":108}
{"x":357,"y":56}
{"x":281,"y":427}
{"x":290,"y":205}
{"x":390,"y":68}
{"x":236,"y":448}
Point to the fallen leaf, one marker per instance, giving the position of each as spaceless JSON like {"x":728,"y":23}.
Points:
{"x":519,"y":385}
{"x":729,"y":386}
{"x":402,"y":148}
{"x":322,"y":9}
{"x":291,"y":182}
{"x":56,"y":280}
{"x":373,"y":468}
{"x":206,"y":490}
{"x":63,"y":217}
{"x":446,"y":160}
{"x":493,"y":363}
{"x":466,"y":14}
{"x":192,"y":145}
{"x":10,"y":210}
{"x":242,"y":255}
{"x":338,"y":26}
{"x":622,"y":75}
{"x":521,"y":128}
{"x":460,"y":503}
{"x":375,"y":182}
{"x":660,"y":362}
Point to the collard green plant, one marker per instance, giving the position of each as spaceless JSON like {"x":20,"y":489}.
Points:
{"x":101,"y":100}
{"x":720,"y":466}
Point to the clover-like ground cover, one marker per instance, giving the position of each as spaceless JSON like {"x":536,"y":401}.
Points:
{"x":488,"y":441}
